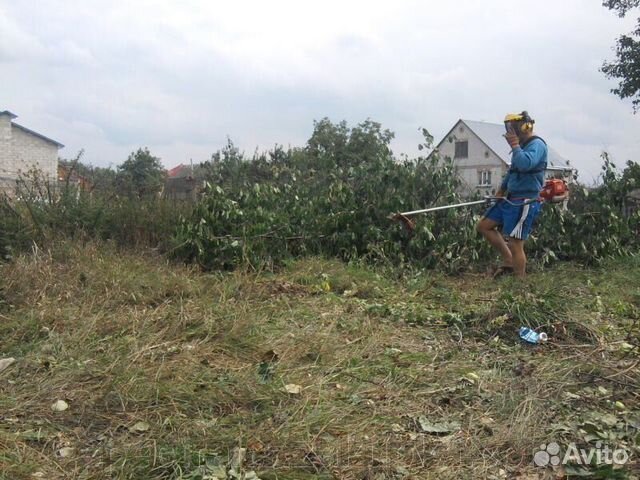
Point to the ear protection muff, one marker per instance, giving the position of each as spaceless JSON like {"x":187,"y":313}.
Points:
{"x":527,"y":122}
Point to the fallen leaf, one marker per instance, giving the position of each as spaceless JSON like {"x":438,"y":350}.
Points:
{"x":592,"y":437}
{"x":139,"y":427}
{"x":626,"y":347}
{"x":255,"y":445}
{"x":487,"y":421}
{"x":473,"y":376}
{"x":6,"y":363}
{"x":437,"y":428}
{"x":65,"y":452}
{"x":237,"y":460}
{"x":59,"y":406}
{"x":571,"y":396}
{"x":402,"y":471}
{"x":396,"y":428}
{"x":393,"y":351}
{"x":217,"y":472}
{"x":213,"y":468}
{"x":607,"y":419}
{"x":293,"y":389}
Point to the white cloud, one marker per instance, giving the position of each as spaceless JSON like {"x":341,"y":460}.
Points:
{"x":110,"y":76}
{"x":15,"y":43}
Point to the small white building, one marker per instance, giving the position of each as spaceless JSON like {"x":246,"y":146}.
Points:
{"x":22,"y":150}
{"x":482,"y":156}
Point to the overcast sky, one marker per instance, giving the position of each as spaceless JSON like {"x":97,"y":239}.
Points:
{"x":110,"y":76}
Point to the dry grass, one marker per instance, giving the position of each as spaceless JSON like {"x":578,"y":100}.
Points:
{"x":202,"y":360}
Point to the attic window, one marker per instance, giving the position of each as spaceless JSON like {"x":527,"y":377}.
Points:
{"x":486,"y":154}
{"x":461,"y":129}
{"x":462,"y":150}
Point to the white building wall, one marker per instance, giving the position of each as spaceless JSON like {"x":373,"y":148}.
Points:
{"x":29,"y":151}
{"x":5,"y":147}
{"x":480,"y":157}
{"x":21,"y":151}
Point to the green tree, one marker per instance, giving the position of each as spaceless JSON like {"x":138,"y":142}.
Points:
{"x":630,"y":177}
{"x":337,"y":145}
{"x":141,"y":174}
{"x":626,"y":68}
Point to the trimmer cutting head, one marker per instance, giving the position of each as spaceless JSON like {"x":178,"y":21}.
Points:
{"x":409,"y":224}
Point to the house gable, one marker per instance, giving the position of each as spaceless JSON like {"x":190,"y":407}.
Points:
{"x":481,"y":169}
{"x":451,"y":137}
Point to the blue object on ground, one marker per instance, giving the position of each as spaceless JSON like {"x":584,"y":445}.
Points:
{"x":531,"y":336}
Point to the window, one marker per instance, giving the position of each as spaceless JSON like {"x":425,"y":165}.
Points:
{"x":462,"y":150}
{"x":484,"y":177}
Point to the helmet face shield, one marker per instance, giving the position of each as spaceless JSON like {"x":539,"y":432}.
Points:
{"x":510,"y":127}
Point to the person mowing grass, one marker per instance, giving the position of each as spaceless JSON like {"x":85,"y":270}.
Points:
{"x":520,"y":189}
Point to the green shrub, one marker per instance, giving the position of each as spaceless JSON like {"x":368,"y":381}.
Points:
{"x":41,"y":212}
{"x":334,"y":196}
{"x":331,"y":198}
{"x":594,"y":227}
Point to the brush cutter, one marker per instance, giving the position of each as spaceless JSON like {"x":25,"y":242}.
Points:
{"x":554,"y":191}
{"x":410,"y":224}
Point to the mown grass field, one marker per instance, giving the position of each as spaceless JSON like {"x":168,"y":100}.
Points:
{"x":321,"y":370}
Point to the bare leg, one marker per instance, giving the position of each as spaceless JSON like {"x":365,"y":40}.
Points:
{"x":519,"y":257}
{"x":487,"y":228}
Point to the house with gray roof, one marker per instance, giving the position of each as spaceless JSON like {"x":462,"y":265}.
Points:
{"x":22,"y":150}
{"x":482,"y":156}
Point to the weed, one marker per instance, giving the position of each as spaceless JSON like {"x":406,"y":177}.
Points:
{"x":202,"y":360}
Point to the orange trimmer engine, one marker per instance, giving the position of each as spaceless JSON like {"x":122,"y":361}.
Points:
{"x":555,"y":190}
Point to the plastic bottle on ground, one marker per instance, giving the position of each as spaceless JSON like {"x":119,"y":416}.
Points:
{"x":531,"y":336}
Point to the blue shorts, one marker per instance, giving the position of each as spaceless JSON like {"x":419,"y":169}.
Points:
{"x":516,"y":218}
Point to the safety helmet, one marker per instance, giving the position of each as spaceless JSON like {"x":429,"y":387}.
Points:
{"x":521,"y":122}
